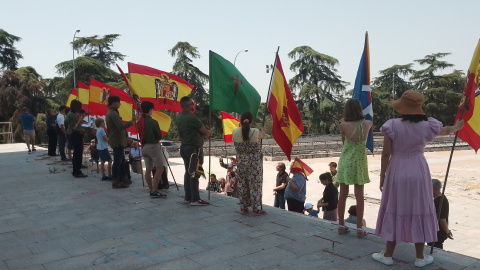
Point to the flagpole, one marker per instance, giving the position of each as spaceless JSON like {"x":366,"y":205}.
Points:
{"x":209,"y":150}
{"x":448,"y":170}
{"x":270,"y":86}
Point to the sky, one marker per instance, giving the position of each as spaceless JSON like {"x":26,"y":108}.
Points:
{"x":399,"y":32}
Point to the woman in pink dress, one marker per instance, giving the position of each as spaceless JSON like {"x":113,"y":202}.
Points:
{"x":407,"y":212}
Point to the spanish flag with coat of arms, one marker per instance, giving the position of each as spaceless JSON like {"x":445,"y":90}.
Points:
{"x":287,"y":122}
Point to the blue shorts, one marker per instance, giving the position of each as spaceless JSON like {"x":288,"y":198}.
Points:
{"x":69,"y":142}
{"x":104,"y":155}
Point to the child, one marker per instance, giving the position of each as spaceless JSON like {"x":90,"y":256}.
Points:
{"x":222,"y":181}
{"x":352,"y":218}
{"x":214,"y":184}
{"x":310,"y":211}
{"x":102,"y":148}
{"x":329,"y":200}
{"x":93,"y":151}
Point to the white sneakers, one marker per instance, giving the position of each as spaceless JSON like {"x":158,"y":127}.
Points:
{"x":427,"y":259}
{"x":380,"y":258}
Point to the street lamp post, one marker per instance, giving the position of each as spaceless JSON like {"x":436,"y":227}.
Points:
{"x":73,"y":60}
{"x":238,"y":54}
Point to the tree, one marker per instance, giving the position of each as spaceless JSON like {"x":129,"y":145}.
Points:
{"x":320,"y":88}
{"x":426,"y":78}
{"x":99,"y":48}
{"x":9,"y":55}
{"x":442,"y":92}
{"x":184,"y":68}
{"x":387,"y":87}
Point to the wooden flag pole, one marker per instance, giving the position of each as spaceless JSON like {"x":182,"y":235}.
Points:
{"x":448,"y":170}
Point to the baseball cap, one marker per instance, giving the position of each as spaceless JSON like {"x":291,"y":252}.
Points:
{"x":308,"y":206}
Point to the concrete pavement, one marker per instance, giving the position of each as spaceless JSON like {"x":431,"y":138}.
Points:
{"x":50,"y":220}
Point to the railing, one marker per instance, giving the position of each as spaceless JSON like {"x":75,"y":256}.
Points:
{"x":315,"y":147}
{"x":8,"y":134}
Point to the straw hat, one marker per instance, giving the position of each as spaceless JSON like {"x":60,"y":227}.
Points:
{"x":410,"y":103}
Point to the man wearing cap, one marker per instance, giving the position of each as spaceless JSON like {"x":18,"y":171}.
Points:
{"x":310,"y":211}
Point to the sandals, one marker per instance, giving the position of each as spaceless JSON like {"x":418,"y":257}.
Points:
{"x":361,"y":233}
{"x":258,"y":213}
{"x":342,"y":229}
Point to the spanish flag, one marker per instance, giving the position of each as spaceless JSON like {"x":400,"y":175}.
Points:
{"x":83,"y":94}
{"x":229,"y":123}
{"x":470,"y":132}
{"x":99,"y":93}
{"x":163,"y":89}
{"x":300,"y":166}
{"x":73,"y":95}
{"x":287,"y":122}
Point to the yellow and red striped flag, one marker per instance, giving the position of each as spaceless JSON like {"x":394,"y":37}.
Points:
{"x":470,"y":133}
{"x":229,"y":123}
{"x":73,"y":95}
{"x":83,"y":94}
{"x":163,"y":89}
{"x":300,"y":166}
{"x":287,"y":122}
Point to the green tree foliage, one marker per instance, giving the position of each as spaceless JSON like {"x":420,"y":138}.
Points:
{"x":442,"y":92}
{"x":183,"y":67}
{"x":20,"y":89}
{"x":320,"y":89}
{"x":9,"y":55}
{"x":99,"y":48}
{"x":387,"y":87}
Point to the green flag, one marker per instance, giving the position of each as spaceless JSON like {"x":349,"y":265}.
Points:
{"x":229,"y":90}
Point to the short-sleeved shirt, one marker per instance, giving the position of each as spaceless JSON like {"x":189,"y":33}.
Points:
{"x":60,"y":120}
{"x":150,"y":130}
{"x":189,"y":126}
{"x":330,"y":196}
{"x":281,"y":178}
{"x":27,"y":121}
{"x":252,"y":136}
{"x":136,"y":152}
{"x":101,"y":143}
{"x":443,"y":213}
{"x":300,"y":180}
{"x":51,"y":122}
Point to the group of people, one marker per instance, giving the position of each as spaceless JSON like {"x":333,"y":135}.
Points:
{"x":404,"y":169}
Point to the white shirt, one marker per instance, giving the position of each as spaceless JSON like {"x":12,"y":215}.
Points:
{"x":60,"y":120}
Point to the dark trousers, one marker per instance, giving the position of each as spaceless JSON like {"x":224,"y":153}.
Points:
{"x":77,"y":141}
{"x":62,"y":140}
{"x":295,"y":206}
{"x":279,"y":201}
{"x":118,"y":167}
{"x":52,"y":141}
{"x":190,"y":184}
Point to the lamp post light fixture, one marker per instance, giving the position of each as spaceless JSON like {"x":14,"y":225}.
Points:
{"x":73,"y":60}
{"x":238,"y":54}
{"x":269,"y":68}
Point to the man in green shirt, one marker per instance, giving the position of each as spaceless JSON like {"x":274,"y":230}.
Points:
{"x":192,"y":133}
{"x":117,"y":134}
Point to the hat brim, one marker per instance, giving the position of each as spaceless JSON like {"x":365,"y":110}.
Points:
{"x":403,"y":108}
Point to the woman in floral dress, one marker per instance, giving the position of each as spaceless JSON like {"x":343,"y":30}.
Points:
{"x":249,"y":165}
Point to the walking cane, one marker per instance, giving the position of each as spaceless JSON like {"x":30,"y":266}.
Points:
{"x":168,"y":164}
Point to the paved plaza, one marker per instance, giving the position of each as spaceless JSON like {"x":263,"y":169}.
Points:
{"x":50,"y":220}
